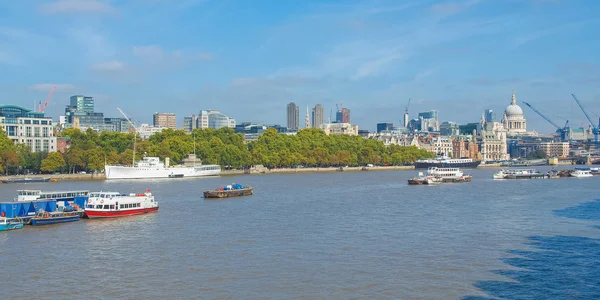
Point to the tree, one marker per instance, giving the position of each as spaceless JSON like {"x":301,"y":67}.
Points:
{"x":537,"y":154}
{"x":53,"y":162}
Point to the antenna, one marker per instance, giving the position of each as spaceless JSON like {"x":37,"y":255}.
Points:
{"x":134,"y":135}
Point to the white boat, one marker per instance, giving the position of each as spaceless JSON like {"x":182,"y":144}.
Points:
{"x":151,"y":167}
{"x":422,"y":179}
{"x":582,"y":173}
{"x":114,"y":204}
{"x":520,"y":174}
{"x":449,"y":174}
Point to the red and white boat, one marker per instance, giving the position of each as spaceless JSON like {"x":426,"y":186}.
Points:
{"x":114,"y":204}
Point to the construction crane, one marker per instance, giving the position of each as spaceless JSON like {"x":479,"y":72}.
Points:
{"x":563,"y":131}
{"x":134,"y":134}
{"x":40,"y":107}
{"x":594,"y":127}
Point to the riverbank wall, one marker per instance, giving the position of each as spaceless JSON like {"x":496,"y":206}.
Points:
{"x":58,"y":177}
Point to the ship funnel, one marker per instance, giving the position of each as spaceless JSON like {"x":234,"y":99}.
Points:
{"x":166,"y":162}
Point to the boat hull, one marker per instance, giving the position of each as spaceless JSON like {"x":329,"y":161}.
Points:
{"x":466,"y":165}
{"x":228,"y":194}
{"x":10,"y":227}
{"x":122,"y":172}
{"x":54,"y":220}
{"x":93,"y":214}
{"x":25,"y":180}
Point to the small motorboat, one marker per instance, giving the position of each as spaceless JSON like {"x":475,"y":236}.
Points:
{"x":11,"y":223}
{"x":234,"y":190}
{"x":47,"y":218}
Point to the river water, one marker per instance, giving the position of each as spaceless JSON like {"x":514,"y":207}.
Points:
{"x":342,"y":235}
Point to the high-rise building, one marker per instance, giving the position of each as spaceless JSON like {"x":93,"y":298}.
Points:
{"x":384,"y":126}
{"x":165,"y":120}
{"x":490,"y":115}
{"x":293,"y":117}
{"x":25,"y":126}
{"x":82,"y":103}
{"x":208,"y":119}
{"x":317,"y":116}
{"x":342,"y":115}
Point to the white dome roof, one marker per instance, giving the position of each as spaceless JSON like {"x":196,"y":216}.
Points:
{"x":513,"y":109}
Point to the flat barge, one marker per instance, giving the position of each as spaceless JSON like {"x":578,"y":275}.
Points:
{"x":234,"y":190}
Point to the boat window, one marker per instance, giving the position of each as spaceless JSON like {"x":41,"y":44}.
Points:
{"x":138,"y":205}
{"x":112,"y":207}
{"x":98,"y":206}
{"x":106,"y":206}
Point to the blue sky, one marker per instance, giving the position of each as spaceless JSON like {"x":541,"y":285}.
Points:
{"x":250,"y":58}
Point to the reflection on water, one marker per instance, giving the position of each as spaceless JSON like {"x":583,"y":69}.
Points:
{"x":559,"y":267}
{"x":335,"y":235}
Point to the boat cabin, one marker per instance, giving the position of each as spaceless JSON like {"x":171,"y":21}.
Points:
{"x":33,"y":195}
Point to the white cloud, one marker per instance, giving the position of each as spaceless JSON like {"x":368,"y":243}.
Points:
{"x":108,"y":66}
{"x":77,"y":6}
{"x":47,"y":87}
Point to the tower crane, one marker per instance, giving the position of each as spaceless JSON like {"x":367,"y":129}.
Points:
{"x":563,"y":131}
{"x":134,"y":134}
{"x":594,"y":127}
{"x":40,"y":107}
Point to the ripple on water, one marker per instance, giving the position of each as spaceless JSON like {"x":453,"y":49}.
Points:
{"x":344,"y":235}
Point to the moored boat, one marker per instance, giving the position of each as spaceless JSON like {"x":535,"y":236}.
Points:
{"x":152,"y":167}
{"x":115,"y":204}
{"x":446,"y":162}
{"x":47,"y":218}
{"x":581,"y":173}
{"x":421,"y":179}
{"x":234,"y":190}
{"x":25,"y":180}
{"x":520,"y":174}
{"x":11,"y":223}
{"x":449,"y":174}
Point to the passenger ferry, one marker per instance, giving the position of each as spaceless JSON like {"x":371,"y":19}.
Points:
{"x":446,"y":162}
{"x":437,"y":175}
{"x":581,"y":173}
{"x":449,"y":174}
{"x":520,"y":174}
{"x":151,"y":167}
{"x":114,"y":204}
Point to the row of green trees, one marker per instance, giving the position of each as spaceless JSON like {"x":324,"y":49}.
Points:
{"x":89,"y":151}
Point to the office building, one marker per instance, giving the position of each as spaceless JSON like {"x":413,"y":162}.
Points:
{"x":82,"y":103}
{"x":25,"y":126}
{"x":293,"y":117}
{"x":165,"y":120}
{"x":384,"y":127}
{"x":317,"y":116}
{"x":208,"y":119}
{"x":490,"y":115}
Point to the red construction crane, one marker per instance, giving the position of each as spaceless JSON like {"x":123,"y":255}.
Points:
{"x":40,"y":107}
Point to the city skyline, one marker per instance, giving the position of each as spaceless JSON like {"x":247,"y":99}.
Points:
{"x":464,"y":57}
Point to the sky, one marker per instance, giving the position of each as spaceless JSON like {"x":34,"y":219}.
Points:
{"x":249,"y":59}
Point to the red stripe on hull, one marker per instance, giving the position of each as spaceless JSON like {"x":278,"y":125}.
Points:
{"x":119,"y":213}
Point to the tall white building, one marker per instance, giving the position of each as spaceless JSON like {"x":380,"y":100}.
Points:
{"x":25,"y":126}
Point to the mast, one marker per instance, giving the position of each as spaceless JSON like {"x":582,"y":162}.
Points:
{"x":134,"y":135}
